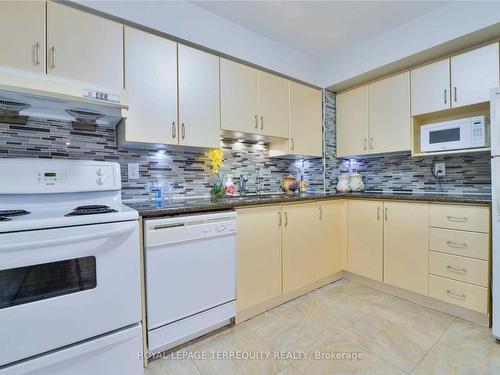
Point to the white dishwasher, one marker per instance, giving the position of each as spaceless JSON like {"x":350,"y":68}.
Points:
{"x":190,"y":276}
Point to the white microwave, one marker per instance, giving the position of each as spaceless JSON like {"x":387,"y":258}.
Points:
{"x":454,"y":135}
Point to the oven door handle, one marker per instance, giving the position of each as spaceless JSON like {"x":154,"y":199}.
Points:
{"x":68,"y":240}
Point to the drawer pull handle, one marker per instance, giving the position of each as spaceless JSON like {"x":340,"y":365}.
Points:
{"x":460,"y":245}
{"x":280,"y":220}
{"x":457,"y":219}
{"x":456,"y":269}
{"x":456,"y":295}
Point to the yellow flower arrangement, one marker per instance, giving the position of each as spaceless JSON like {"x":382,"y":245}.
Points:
{"x":216,"y":156}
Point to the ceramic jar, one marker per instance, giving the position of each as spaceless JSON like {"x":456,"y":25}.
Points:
{"x":343,"y":185}
{"x":356,"y":182}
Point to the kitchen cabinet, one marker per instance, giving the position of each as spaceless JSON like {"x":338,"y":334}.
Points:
{"x":365,"y":238}
{"x":430,"y":88}
{"x":258,"y":248}
{"x":374,"y":118}
{"x":151,"y":83}
{"x":389,"y":114}
{"x":199,"y":109}
{"x":300,"y":245}
{"x":473,"y":74}
{"x":461,"y":80}
{"x":22,"y":26}
{"x":273,"y":105}
{"x":352,"y":122}
{"x":84,"y":47}
{"x":332,"y":237}
{"x":239,"y":90}
{"x":406,"y":242}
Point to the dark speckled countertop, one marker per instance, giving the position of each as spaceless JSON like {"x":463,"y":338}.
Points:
{"x":148,"y":209}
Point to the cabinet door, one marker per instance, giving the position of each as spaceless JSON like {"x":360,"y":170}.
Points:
{"x":352,"y":122}
{"x":332,"y":237}
{"x":389,"y":114}
{"x":239,"y":97}
{"x":273,"y":105}
{"x":430,"y":88}
{"x":258,"y":248}
{"x":84,"y":47}
{"x":199,"y":109}
{"x":22,"y":26}
{"x":406,"y":245}
{"x":365,"y":231}
{"x":300,"y":245}
{"x":473,"y":74}
{"x":306,"y":128}
{"x":151,"y":83}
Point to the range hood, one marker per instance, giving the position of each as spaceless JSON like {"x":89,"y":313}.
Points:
{"x":38,"y":95}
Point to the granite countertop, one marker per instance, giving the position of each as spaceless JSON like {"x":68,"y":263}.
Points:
{"x":149,"y":208}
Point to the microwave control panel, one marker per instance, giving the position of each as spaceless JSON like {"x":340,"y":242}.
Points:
{"x":478,"y":138}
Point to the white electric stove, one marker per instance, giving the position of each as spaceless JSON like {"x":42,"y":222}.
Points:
{"x":69,"y":270}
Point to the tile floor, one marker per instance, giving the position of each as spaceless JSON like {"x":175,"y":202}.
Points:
{"x":394,"y":336}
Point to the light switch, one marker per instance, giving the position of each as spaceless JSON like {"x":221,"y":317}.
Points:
{"x":133,"y":171}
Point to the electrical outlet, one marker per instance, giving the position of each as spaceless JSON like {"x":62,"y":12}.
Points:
{"x":133,"y":171}
{"x":440,"y":169}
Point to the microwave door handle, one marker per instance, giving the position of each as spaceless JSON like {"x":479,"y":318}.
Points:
{"x":67,"y":240}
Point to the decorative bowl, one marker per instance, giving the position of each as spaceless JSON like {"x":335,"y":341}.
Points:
{"x":289,"y":184}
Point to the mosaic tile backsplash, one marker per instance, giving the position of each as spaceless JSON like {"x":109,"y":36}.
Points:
{"x":191,"y":176}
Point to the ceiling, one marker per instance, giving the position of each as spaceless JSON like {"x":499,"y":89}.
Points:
{"x":320,"y":29}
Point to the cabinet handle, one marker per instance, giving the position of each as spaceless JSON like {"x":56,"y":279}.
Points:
{"x":456,"y":269}
{"x":280,"y":220}
{"x":385,"y":213}
{"x":320,"y":212}
{"x":445,"y":96}
{"x":183,"y":128}
{"x":53,"y":57}
{"x":256,"y":122}
{"x":261,"y":122}
{"x":36,"y":53}
{"x":461,"y":245}
{"x":364,"y":144}
{"x":292,"y":143}
{"x":286,"y":218}
{"x":378,"y":213}
{"x":371,"y":143}
{"x":456,"y":295}
{"x":457,"y":219}
{"x":455,"y":93}
{"x":173,"y":130}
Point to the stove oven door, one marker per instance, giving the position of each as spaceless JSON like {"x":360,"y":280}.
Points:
{"x":61,"y":286}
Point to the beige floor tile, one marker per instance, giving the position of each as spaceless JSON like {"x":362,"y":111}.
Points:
{"x":170,"y":366}
{"x":290,"y":370}
{"x":352,"y":289}
{"x":237,"y":341}
{"x":368,"y":364}
{"x":466,"y":348}
{"x":400,"y":338}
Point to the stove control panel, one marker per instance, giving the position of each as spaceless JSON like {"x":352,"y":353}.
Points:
{"x":59,"y":176}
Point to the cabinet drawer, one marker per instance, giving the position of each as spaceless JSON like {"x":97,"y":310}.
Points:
{"x":472,"y":271}
{"x":458,"y":293}
{"x":469,"y":244}
{"x":475,"y":219}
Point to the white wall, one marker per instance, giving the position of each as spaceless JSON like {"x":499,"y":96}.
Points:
{"x":189,"y":22}
{"x":442,"y":25}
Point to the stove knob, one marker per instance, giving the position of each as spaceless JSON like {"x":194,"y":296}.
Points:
{"x":99,"y":181}
{"x":99,"y":172}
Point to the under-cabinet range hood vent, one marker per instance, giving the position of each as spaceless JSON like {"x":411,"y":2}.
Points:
{"x":25,"y":94}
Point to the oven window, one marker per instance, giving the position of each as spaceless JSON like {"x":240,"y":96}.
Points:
{"x":41,"y":281}
{"x":447,"y":135}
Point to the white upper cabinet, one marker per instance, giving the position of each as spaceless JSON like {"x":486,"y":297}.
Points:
{"x":239,"y":85}
{"x":151,"y":84}
{"x":84,"y":47}
{"x":199,"y":109}
{"x":22,"y":26}
{"x":473,"y":74}
{"x":352,"y":122}
{"x":389,"y":114}
{"x":430,"y":88}
{"x":273,"y":105}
